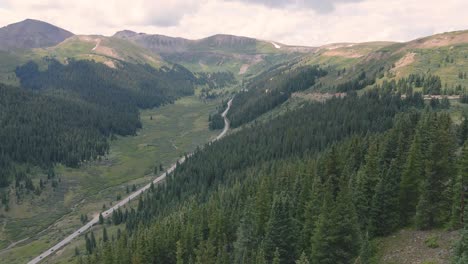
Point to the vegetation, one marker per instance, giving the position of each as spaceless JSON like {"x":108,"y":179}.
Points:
{"x":267,"y":91}
{"x":66,"y":113}
{"x":303,"y":187}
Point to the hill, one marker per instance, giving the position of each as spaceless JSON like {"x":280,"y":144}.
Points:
{"x":31,"y":33}
{"x":240,"y":55}
{"x":103,"y":49}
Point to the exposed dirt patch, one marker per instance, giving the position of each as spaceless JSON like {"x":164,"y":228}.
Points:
{"x":344,"y":52}
{"x":251,"y":60}
{"x":318,"y":97}
{"x":100,"y":48}
{"x":110,"y":64}
{"x":404,"y":61}
{"x":243,"y":69}
{"x":409,"y":247}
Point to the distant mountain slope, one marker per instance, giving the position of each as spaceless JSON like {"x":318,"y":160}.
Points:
{"x":31,"y":34}
{"x":107,"y":50}
{"x":220,"y":52}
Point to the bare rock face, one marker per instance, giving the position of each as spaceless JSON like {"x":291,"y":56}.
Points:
{"x":31,"y":33}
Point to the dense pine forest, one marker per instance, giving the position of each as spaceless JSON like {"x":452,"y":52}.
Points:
{"x":68,"y":112}
{"x":314,"y":185}
{"x":269,"y":90}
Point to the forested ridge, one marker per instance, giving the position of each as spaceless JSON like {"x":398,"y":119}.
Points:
{"x":314,"y":185}
{"x":67,"y":112}
{"x":270,"y":89}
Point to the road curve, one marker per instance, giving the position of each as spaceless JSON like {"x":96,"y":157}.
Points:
{"x":124,"y":201}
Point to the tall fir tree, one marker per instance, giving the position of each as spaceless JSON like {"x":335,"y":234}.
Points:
{"x":385,"y":204}
{"x":337,"y":236}
{"x":280,"y":232}
{"x":413,"y":174}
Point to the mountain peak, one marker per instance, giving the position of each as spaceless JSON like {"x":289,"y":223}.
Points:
{"x":125,"y":34}
{"x":31,"y":33}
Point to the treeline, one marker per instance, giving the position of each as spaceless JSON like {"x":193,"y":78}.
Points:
{"x":267,"y":91}
{"x":430,"y":84}
{"x":358,"y":83}
{"x":313,"y":186}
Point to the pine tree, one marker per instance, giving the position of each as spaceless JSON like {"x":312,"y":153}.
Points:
{"x":246,"y":240}
{"x":88,"y":243}
{"x":461,"y":250}
{"x":460,"y":186}
{"x":260,"y":257}
{"x":424,"y":211}
{"x":281,"y":233}
{"x":311,"y":215}
{"x":101,"y":219}
{"x":105,"y":237}
{"x":385,"y":204}
{"x":205,"y":253}
{"x":337,"y":237}
{"x":93,"y":241}
{"x":303,"y":259}
{"x":179,"y":253}
{"x":276,"y":257}
{"x":367,"y":179}
{"x":412,"y":175}
{"x":365,"y":253}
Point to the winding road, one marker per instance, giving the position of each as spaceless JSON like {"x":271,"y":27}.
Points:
{"x":127,"y":199}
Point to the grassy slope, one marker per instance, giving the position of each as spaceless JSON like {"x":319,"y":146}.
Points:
{"x":258,"y":56}
{"x":109,"y":51}
{"x":175,"y":129}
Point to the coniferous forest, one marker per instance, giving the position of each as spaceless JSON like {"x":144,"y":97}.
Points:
{"x":67,"y":113}
{"x":314,"y":185}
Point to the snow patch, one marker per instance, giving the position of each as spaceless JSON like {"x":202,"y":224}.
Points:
{"x":276,"y":45}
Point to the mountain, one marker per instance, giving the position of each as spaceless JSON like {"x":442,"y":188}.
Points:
{"x":220,"y":52}
{"x":107,"y":50}
{"x":31,"y":33}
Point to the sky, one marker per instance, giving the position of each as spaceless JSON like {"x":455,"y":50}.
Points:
{"x":294,"y":22}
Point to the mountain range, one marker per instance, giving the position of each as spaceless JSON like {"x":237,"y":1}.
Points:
{"x":243,"y":56}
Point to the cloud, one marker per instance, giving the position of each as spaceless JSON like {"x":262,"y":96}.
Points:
{"x":297,"y":22}
{"x":320,"y":6}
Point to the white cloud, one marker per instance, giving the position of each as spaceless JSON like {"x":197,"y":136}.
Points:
{"x":298,"y":22}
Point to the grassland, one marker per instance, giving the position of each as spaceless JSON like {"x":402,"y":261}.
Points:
{"x":168,"y":132}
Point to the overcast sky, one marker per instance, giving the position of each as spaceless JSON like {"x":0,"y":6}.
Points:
{"x":300,"y":22}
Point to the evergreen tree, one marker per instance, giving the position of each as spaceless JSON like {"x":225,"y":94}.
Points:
{"x":105,"y":237}
{"x":366,"y":251}
{"x":367,"y":179}
{"x":246,"y":240}
{"x":460,"y":190}
{"x":179,"y":253}
{"x":461,"y":249}
{"x":303,"y":259}
{"x":385,"y":204}
{"x":276,"y":257}
{"x":337,"y":238}
{"x":281,"y":233}
{"x":411,"y":177}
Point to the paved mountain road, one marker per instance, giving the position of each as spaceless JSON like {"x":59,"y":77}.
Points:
{"x":132,"y":196}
